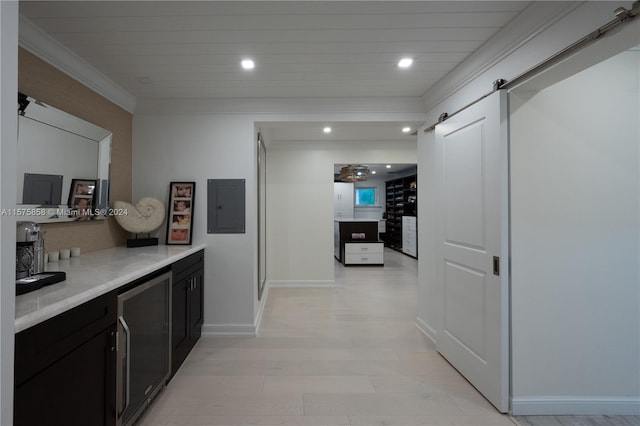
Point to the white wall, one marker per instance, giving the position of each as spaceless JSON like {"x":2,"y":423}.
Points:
{"x":300,"y":204}
{"x":8,"y":156}
{"x":575,"y":230}
{"x":542,"y":30}
{"x":429,"y":303}
{"x":196,"y":148}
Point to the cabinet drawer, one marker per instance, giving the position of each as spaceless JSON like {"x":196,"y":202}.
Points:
{"x":409,"y":223}
{"x":364,"y":248}
{"x":186,"y":266}
{"x":39,"y":346}
{"x":364,"y":259}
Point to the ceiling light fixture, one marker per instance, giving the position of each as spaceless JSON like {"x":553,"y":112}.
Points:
{"x":406,"y":129}
{"x":354,"y":173}
{"x":144,"y":80}
{"x":247,"y":64}
{"x":388,"y":166}
{"x":405,"y":62}
{"x":327,"y":129}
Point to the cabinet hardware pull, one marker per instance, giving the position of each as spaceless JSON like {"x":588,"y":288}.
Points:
{"x":125,"y":327}
{"x":496,"y":265}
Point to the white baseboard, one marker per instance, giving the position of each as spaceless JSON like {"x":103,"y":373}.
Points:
{"x":301,"y":283}
{"x":429,"y":332}
{"x":575,"y":406}
{"x":229,"y":330}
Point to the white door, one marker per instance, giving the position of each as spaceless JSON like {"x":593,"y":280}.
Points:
{"x":472,"y":149}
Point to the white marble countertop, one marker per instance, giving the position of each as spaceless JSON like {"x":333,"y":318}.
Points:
{"x":92,"y":275}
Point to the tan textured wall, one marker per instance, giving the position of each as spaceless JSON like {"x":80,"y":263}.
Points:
{"x":40,"y":80}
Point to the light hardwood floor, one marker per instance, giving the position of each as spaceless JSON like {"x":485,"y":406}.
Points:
{"x":345,"y":355}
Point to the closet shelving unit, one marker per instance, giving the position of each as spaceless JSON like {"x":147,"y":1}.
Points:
{"x":401,"y":200}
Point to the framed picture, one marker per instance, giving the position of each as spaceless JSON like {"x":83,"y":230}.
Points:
{"x":82,"y":195}
{"x":180,"y":217}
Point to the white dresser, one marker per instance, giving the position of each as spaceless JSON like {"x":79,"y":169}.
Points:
{"x":367,"y":253}
{"x":409,"y":236}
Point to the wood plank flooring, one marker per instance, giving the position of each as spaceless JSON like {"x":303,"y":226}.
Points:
{"x":344,"y":355}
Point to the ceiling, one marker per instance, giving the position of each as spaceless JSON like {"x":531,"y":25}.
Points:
{"x":180,"y":49}
{"x":352,"y":131}
{"x":382,"y":171}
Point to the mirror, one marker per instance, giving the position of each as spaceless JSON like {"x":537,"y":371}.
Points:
{"x":62,"y":160}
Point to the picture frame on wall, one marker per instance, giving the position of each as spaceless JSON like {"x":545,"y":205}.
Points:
{"x":180,"y":213}
{"x":82,"y":196}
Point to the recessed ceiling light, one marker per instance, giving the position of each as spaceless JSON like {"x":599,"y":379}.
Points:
{"x":327,"y":129}
{"x":405,"y":62}
{"x":406,"y":129}
{"x":248,"y":64}
{"x":144,"y":80}
{"x":373,"y":172}
{"x":388,"y":166}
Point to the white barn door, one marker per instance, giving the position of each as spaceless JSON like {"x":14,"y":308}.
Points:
{"x":473,"y":275}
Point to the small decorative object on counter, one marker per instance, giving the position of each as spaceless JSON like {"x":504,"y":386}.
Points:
{"x":29,"y":249}
{"x":145,"y":217}
{"x":181,"y":198}
{"x":30,"y":257}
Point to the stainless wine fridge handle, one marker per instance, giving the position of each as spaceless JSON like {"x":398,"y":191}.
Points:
{"x":125,"y":327}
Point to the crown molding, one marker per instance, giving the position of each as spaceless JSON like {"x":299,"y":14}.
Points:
{"x":406,"y":106}
{"x":37,"y":41}
{"x":532,"y":21}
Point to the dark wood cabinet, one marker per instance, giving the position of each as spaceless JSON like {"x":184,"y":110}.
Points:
{"x":187,"y":307}
{"x":401,"y":200}
{"x":65,"y":368}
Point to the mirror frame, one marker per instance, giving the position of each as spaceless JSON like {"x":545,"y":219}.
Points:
{"x":262,"y":215}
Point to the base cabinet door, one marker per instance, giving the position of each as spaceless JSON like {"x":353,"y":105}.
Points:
{"x":65,"y":368}
{"x":179,"y":325}
{"x":196,"y":305}
{"x":187,"y":307}
{"x":78,"y":389}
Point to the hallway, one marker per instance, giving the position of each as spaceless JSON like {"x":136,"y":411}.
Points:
{"x":345,"y":355}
